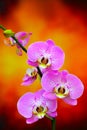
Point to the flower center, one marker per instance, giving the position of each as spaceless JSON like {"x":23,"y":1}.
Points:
{"x":61,"y":91}
{"x":40,"y":111}
{"x":44,"y":62}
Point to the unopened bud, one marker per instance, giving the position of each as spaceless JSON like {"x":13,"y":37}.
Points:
{"x":8,"y":33}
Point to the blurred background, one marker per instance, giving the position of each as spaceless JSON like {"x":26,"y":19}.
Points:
{"x":64,"y":21}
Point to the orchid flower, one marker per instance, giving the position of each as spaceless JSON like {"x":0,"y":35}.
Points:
{"x":30,"y":76}
{"x":33,"y":106}
{"x":46,"y":55}
{"x":62,"y":85}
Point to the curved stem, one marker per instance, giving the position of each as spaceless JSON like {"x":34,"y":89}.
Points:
{"x":23,"y":48}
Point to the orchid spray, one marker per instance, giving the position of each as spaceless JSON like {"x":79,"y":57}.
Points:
{"x":46,"y":59}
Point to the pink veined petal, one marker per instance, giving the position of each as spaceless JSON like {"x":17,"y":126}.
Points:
{"x":50,"y":80}
{"x":52,"y":114}
{"x":49,"y":95}
{"x":39,"y":97}
{"x":52,"y":105}
{"x":63,"y":75}
{"x":70,"y":101}
{"x":43,"y":70}
{"x":29,"y":81}
{"x":36,"y":50}
{"x":25,"y":105}
{"x":22,"y":40}
{"x":75,"y":86}
{"x":32,"y":63}
{"x":26,"y":77}
{"x":32,"y":119}
{"x":50,"y":44}
{"x":57,"y":57}
{"x":39,"y":93}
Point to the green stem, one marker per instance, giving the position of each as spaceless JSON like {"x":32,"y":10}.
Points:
{"x":49,"y":117}
{"x":53,"y":124}
{"x":23,"y":48}
{"x":3,"y":28}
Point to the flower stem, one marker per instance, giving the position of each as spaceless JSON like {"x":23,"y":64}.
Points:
{"x":2,"y":27}
{"x":23,"y":48}
{"x":53,"y":124}
{"x":39,"y":71}
{"x":49,"y":117}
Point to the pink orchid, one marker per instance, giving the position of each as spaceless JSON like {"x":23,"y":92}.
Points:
{"x":33,"y":106}
{"x":30,"y":76}
{"x":23,"y":38}
{"x":45,"y":55}
{"x":62,"y":85}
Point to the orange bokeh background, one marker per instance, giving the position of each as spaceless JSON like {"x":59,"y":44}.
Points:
{"x":66,"y":24}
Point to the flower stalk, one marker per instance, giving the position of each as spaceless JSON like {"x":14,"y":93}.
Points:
{"x":53,"y":124}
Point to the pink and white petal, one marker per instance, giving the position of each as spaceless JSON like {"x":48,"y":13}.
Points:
{"x":52,"y":105}
{"x":57,"y":57}
{"x":32,"y":63}
{"x":63,"y":76}
{"x":70,"y":101}
{"x":75,"y":86}
{"x":43,"y":70}
{"x":26,"y":40}
{"x":39,"y":99}
{"x":31,"y":120}
{"x":49,"y":95}
{"x":28,"y":82}
{"x":26,"y":77}
{"x":25,"y":105}
{"x":50,"y":80}
{"x":38,"y":95}
{"x":20,"y":35}
{"x":50,"y":44}
{"x":36,"y":50}
{"x":52,"y":114}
